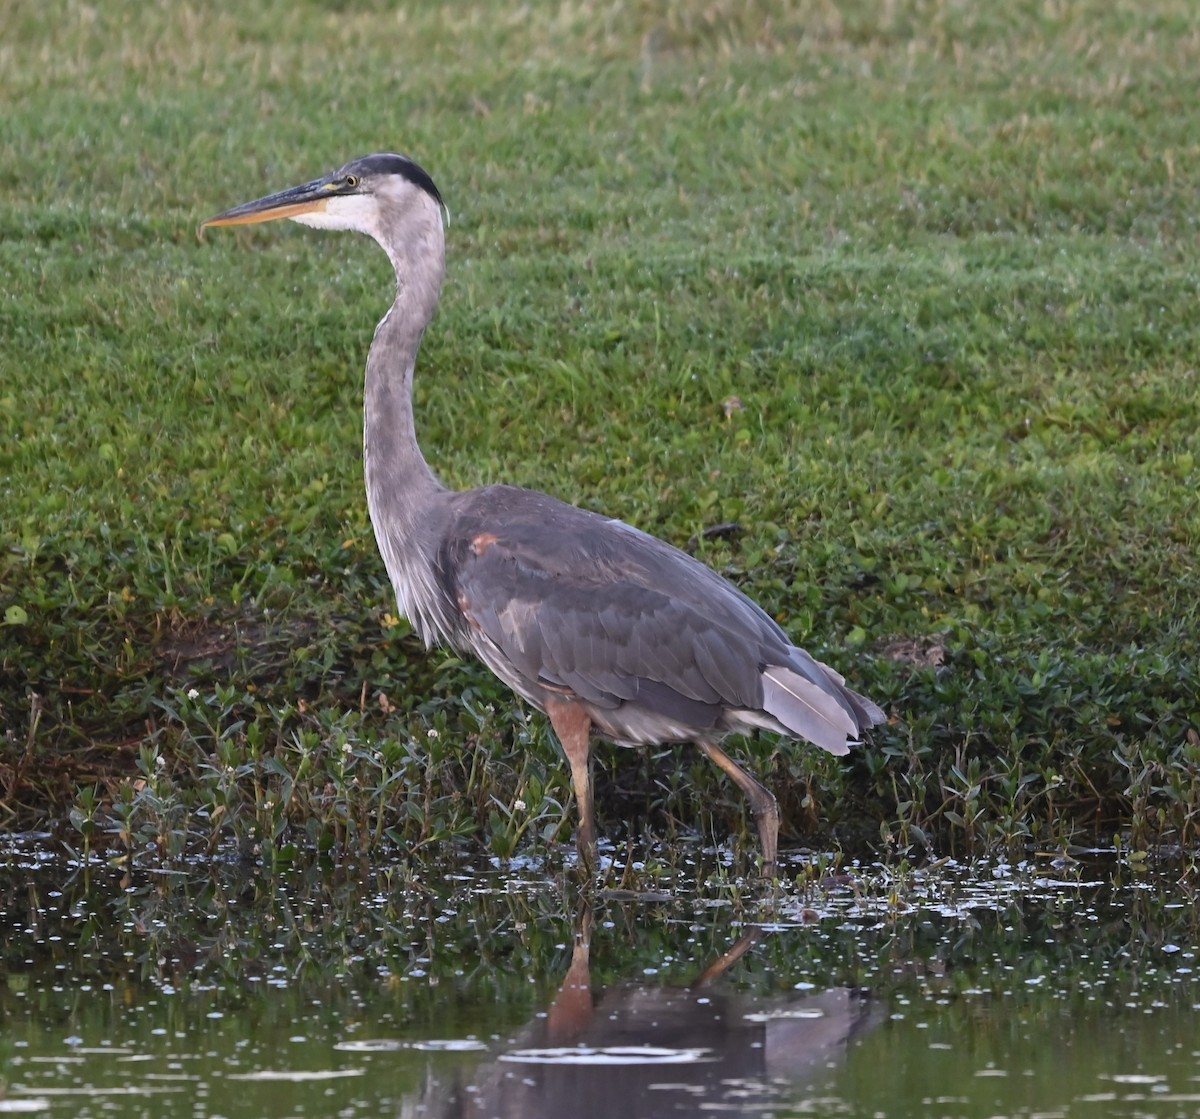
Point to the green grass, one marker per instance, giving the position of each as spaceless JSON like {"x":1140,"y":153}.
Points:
{"x":942,"y":254}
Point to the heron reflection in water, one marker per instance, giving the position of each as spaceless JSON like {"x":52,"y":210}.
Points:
{"x":637,"y":1049}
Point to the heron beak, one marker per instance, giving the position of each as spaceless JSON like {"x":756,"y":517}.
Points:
{"x":288,"y":203}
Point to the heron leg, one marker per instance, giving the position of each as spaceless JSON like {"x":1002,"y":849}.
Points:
{"x":573,"y":1009}
{"x":573,"y":726}
{"x":723,"y":963}
{"x":762,"y":802}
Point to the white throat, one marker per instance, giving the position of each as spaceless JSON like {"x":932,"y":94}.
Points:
{"x":355,"y":212}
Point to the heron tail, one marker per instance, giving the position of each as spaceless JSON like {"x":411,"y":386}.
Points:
{"x":827,"y":714}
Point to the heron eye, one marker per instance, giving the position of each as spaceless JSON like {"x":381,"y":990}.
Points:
{"x":352,"y":181}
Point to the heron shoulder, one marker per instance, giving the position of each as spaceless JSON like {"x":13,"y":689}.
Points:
{"x":553,"y":543}
{"x":563,"y":539}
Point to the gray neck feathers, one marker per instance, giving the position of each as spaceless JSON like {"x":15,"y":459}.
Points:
{"x":402,"y":492}
{"x":399,"y":480}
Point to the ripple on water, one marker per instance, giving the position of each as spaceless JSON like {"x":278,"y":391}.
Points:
{"x":609,"y":1055}
{"x":394,"y":1045}
{"x":296,"y":1076}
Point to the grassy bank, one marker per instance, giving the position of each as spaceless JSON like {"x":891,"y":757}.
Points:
{"x":907,"y":291}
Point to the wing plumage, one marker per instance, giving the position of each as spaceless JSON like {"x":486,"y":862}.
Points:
{"x":559,"y":601}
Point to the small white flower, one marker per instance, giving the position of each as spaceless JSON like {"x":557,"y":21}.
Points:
{"x":518,"y":805}
{"x":193,"y":694}
{"x":432,"y":733}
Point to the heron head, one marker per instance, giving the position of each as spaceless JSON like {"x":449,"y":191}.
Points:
{"x":371,"y":195}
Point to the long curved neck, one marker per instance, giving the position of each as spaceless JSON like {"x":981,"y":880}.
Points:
{"x":406,"y":501}
{"x":400,"y":484}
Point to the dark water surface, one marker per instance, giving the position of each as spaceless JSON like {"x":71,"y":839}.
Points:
{"x":467,"y":989}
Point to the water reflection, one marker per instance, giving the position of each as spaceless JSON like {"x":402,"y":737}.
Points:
{"x":465,"y":989}
{"x":638,"y":1050}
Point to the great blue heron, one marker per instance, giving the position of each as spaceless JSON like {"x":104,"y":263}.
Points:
{"x":611,"y":632}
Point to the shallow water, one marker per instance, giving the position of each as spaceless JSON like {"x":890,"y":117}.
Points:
{"x":470,"y":989}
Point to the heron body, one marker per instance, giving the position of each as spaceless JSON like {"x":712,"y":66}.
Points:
{"x":612,"y":633}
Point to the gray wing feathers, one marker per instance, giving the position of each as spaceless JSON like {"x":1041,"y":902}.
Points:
{"x":576,"y":601}
{"x":562,"y":641}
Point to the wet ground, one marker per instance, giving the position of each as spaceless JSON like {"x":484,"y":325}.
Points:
{"x":1043,"y":987}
